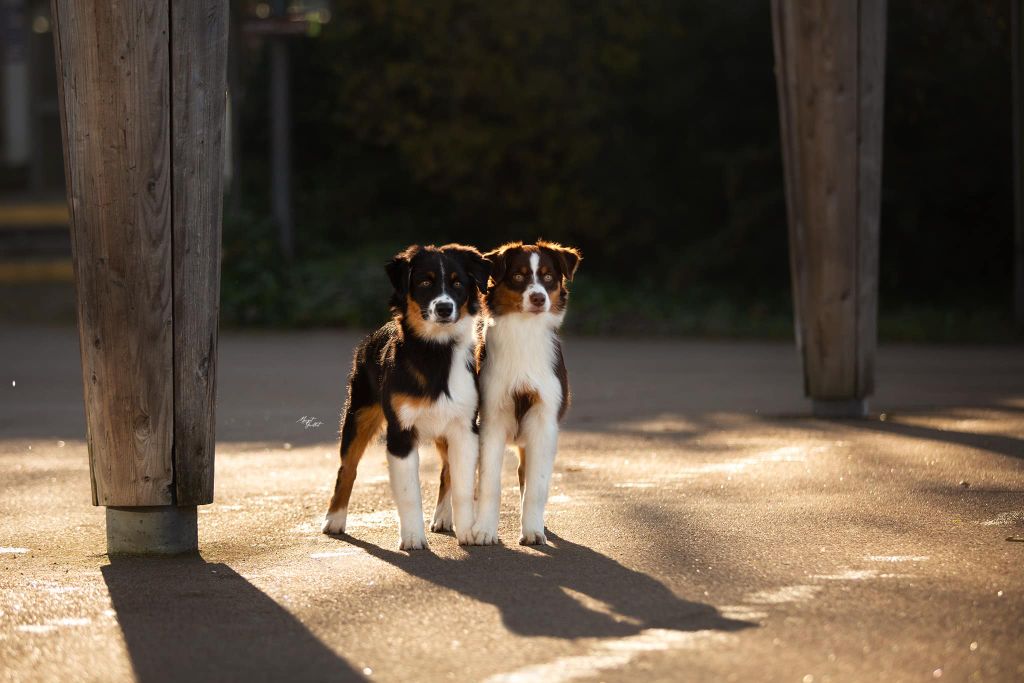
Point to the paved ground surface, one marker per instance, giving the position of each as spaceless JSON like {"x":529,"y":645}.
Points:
{"x":702,"y":527}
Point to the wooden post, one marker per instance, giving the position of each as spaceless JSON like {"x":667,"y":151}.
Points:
{"x":830,"y":70}
{"x":142,"y":97}
{"x":1017,"y":35}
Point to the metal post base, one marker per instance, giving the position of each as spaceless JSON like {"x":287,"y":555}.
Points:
{"x":163,"y":530}
{"x":847,"y":407}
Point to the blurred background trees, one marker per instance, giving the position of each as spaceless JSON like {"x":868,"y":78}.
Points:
{"x":645,"y":132}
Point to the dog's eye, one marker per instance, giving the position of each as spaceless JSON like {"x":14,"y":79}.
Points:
{"x":548,"y":277}
{"x":425,"y":283}
{"x":457,"y":284}
{"x":518,"y":277}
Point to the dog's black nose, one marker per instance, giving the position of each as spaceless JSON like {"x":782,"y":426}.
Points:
{"x":444,"y":309}
{"x":537,"y":299}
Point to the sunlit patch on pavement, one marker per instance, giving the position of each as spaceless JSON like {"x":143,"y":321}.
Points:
{"x":208,"y":509}
{"x":611,"y":654}
{"x":345,"y":552}
{"x":778,"y":596}
{"x":305,"y":528}
{"x":742,"y":613}
{"x":671,"y":424}
{"x":372,"y":520}
{"x":54,"y":625}
{"x":859,"y":575}
{"x":379,"y":519}
{"x":59,"y":590}
{"x":785,"y":454}
{"x":1005,"y":519}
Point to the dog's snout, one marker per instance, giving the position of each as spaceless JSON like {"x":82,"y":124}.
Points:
{"x":537,"y":299}
{"x":444,"y":309}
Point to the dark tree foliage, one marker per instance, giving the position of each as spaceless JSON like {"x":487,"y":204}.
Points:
{"x":644,"y":132}
{"x":947,"y":213}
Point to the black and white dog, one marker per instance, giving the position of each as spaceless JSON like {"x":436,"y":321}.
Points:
{"x":416,"y":375}
{"x":524,"y":386}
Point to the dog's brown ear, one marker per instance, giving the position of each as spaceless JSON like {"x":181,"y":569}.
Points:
{"x":478,"y":267}
{"x":398,"y":270}
{"x":567,"y":258}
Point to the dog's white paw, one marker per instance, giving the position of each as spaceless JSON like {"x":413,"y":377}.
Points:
{"x":465,"y":536}
{"x":533,"y":537}
{"x":413,"y":540}
{"x":442,"y":519}
{"x":484,"y":532}
{"x":334,"y":522}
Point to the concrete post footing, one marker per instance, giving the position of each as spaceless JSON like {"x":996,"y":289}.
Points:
{"x":161,"y":530}
{"x":846,"y":407}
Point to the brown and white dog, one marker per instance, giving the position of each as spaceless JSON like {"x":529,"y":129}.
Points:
{"x":416,"y":377}
{"x":524,"y":386}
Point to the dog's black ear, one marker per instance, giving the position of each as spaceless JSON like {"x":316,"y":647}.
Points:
{"x":478,"y":267}
{"x":398,"y":270}
{"x":499,"y":260}
{"x":567,"y":258}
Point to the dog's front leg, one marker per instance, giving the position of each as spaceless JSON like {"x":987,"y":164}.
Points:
{"x":463,"y":452}
{"x":404,"y":475}
{"x":492,"y":449}
{"x":540,"y":429}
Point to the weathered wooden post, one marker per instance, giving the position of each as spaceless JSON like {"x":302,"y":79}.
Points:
{"x":142,"y":114}
{"x":1017,"y":50}
{"x":830,"y":70}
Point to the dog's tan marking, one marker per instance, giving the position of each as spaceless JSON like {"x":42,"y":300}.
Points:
{"x":522,"y":467}
{"x":446,"y":476}
{"x":506,"y":300}
{"x":414,"y":316}
{"x":555,"y":296}
{"x":400,"y":400}
{"x":522,"y":401}
{"x":368,"y":423}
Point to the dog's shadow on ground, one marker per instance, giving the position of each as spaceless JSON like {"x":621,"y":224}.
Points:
{"x":185,"y":619}
{"x":563,"y":590}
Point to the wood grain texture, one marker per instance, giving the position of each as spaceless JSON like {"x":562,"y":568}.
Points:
{"x":113,"y":69}
{"x":199,"y":49}
{"x":831,"y":133}
{"x":871,"y":93}
{"x":1017,"y":55}
{"x":785,"y":81}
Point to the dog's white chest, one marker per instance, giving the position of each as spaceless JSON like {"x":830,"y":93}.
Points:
{"x":521,"y":355}
{"x":459,"y":405}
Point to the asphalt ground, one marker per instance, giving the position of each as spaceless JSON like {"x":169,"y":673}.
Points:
{"x":703,"y":527}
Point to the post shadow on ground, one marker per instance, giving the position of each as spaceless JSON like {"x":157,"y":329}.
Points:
{"x":529,"y":589}
{"x":999,"y":444}
{"x":184,"y":619}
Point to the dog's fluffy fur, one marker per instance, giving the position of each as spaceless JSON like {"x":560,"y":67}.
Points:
{"x":524,"y":386}
{"x":416,"y":377}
